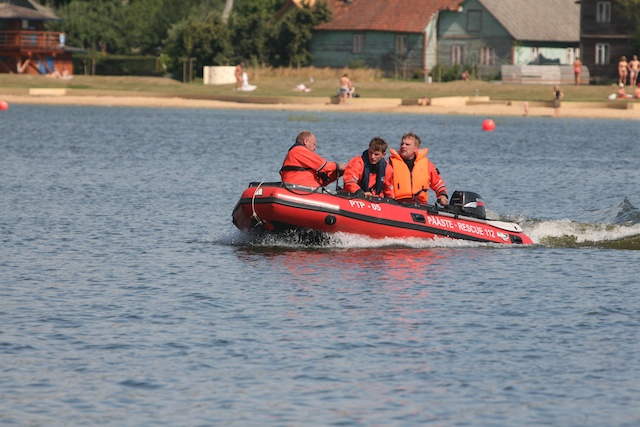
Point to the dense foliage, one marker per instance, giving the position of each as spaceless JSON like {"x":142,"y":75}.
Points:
{"x":175,"y":31}
{"x":629,"y":13}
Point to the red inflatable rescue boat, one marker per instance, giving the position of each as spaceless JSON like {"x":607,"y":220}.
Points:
{"x":274,"y":206}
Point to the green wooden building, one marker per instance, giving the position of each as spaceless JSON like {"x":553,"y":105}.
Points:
{"x":394,"y":36}
{"x":487,"y":34}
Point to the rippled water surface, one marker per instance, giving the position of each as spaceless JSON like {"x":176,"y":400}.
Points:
{"x":127,"y":297}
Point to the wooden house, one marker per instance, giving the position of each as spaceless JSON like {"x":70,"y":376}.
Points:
{"x":393,"y":36}
{"x":604,"y":38}
{"x":488,"y":34}
{"x":25,"y":46}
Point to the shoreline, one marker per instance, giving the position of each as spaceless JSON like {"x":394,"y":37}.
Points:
{"x":443,"y":106}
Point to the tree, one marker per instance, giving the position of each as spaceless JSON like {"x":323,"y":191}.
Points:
{"x":265,"y":7}
{"x":94,"y":25}
{"x":292,"y":35}
{"x":54,"y":3}
{"x":250,"y":35}
{"x":208,"y":42}
{"x":123,"y":26}
{"x":191,"y":29}
{"x":228,"y":6}
{"x":629,"y":13}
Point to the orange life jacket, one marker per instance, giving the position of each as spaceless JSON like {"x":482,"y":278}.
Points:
{"x":411,"y":185}
{"x":302,"y":166}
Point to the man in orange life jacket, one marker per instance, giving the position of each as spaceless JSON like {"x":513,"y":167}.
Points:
{"x":302,"y":166}
{"x":414,"y":174}
{"x":369,"y":174}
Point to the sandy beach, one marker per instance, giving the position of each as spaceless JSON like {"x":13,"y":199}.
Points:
{"x":446,"y":105}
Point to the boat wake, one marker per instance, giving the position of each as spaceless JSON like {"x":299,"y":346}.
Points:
{"x":299,"y":239}
{"x":616,"y":228}
{"x":553,"y":234}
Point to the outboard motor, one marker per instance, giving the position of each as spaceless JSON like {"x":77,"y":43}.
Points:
{"x":468,"y":203}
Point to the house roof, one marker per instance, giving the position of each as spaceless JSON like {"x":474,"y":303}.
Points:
{"x":537,"y":20}
{"x":403,"y":16}
{"x":25,"y":9}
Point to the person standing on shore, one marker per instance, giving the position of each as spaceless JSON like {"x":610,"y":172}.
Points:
{"x":623,"y":69}
{"x":634,"y":68}
{"x":238,"y":74}
{"x":577,"y":70}
{"x":557,"y":97}
{"x":346,"y":89}
{"x":302,"y":166}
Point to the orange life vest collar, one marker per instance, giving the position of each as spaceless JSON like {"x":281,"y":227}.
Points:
{"x":411,"y":185}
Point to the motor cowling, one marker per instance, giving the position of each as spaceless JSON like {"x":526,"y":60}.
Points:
{"x":468,"y":203}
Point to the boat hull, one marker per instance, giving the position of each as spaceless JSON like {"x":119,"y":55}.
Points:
{"x":275,"y":207}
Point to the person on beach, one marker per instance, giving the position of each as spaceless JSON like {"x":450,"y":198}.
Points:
{"x":634,"y":68}
{"x":370,"y":174}
{"x":557,"y":97}
{"x":302,"y":166}
{"x":621,"y":93}
{"x":414,"y":174}
{"x":346,"y":89}
{"x":623,"y":69}
{"x":238,"y":74}
{"x":577,"y":70}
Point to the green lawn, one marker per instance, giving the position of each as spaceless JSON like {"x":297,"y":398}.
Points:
{"x":284,"y":86}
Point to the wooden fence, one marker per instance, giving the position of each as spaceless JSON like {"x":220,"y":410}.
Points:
{"x":542,"y":74}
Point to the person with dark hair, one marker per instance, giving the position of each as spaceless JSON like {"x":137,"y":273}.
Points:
{"x":369,"y":174}
{"x":414,"y":174}
{"x":302,"y":166}
{"x":558,"y":94}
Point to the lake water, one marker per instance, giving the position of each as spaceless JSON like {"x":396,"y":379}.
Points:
{"x":127,"y":297}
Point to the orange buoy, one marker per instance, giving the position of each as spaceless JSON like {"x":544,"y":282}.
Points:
{"x":488,"y":125}
{"x":4,"y":106}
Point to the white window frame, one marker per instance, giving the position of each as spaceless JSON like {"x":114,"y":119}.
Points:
{"x":603,"y":12}
{"x":603,"y":53}
{"x":401,"y":44}
{"x":456,"y":54}
{"x":358,"y":42}
{"x":487,"y":55}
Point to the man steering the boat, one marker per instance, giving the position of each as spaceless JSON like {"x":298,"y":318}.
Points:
{"x":302,"y":166}
{"x":370,"y":174}
{"x":414,"y":174}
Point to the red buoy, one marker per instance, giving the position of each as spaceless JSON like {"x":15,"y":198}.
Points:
{"x":488,"y":125}
{"x":4,"y":106}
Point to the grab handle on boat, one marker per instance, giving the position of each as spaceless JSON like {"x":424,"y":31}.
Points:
{"x":254,"y":214}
